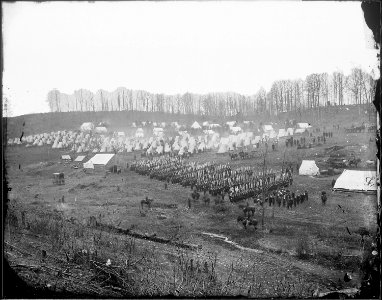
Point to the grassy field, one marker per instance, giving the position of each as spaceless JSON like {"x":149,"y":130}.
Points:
{"x":300,"y":250}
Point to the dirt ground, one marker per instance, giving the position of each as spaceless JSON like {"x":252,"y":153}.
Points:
{"x":328,"y":232}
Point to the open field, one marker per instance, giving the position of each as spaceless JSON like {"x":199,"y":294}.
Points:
{"x":301,"y":250}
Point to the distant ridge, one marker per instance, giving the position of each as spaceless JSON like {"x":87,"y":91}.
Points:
{"x":119,"y":120}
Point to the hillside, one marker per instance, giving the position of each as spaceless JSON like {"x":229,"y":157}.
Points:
{"x":120,"y":120}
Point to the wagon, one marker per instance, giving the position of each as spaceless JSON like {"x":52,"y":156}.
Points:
{"x":58,"y":178}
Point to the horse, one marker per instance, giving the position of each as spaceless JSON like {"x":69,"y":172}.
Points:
{"x":195,"y":195}
{"x":250,"y":222}
{"x":146,"y":201}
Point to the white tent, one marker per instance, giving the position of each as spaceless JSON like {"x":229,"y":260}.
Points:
{"x":303,"y":125}
{"x":88,"y":126}
{"x":282,"y":132}
{"x":139,"y":133}
{"x":235,"y":129}
{"x":309,"y":168}
{"x":196,"y":125}
{"x":159,"y":150}
{"x":267,"y":128}
{"x":158,"y":131}
{"x":101,"y":159}
{"x":65,"y":157}
{"x":100,"y":130}
{"x":223,"y":148}
{"x":209,"y":131}
{"x":202,"y":146}
{"x":356,"y":181}
{"x":289,"y":131}
{"x":80,"y":158}
{"x":167,"y":148}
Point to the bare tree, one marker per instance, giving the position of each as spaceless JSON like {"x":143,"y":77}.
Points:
{"x":338,"y":87}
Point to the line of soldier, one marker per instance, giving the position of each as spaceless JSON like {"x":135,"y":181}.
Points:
{"x":284,"y":197}
{"x":240,"y":183}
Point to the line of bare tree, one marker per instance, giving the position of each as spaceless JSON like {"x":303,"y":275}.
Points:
{"x":316,"y":91}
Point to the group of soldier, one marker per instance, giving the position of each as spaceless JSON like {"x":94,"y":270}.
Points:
{"x":285,"y":198}
{"x":216,"y":179}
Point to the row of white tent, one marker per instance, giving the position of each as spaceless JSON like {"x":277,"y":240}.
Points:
{"x":63,"y":139}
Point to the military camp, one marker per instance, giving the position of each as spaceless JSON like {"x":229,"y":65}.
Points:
{"x":191,"y":150}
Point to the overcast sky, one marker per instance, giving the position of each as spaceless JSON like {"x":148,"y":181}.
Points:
{"x":175,"y":47}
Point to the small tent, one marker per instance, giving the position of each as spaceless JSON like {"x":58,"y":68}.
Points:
{"x":267,"y":128}
{"x":139,"y":133}
{"x":80,"y":158}
{"x":235,"y":129}
{"x":356,"y":181}
{"x":309,"y":168}
{"x":88,"y":126}
{"x":66,"y":157}
{"x":282,"y":132}
{"x":289,"y":131}
{"x":303,"y":125}
{"x":223,"y":148}
{"x":158,"y":131}
{"x":196,"y":125}
{"x":100,"y":130}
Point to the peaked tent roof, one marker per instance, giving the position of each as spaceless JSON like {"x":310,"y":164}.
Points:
{"x":65,"y":156}
{"x":308,"y":167}
{"x":356,"y":181}
{"x":196,"y":125}
{"x":101,"y":159}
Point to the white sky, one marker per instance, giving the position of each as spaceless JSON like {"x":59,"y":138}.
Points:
{"x":175,"y":47}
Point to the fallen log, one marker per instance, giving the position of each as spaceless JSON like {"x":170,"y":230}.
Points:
{"x":148,"y":237}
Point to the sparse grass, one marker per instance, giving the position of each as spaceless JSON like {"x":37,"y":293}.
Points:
{"x":325,"y":226}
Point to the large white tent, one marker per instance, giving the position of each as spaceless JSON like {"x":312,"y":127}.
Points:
{"x":309,"y":168}
{"x":356,"y":181}
{"x":101,"y":159}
